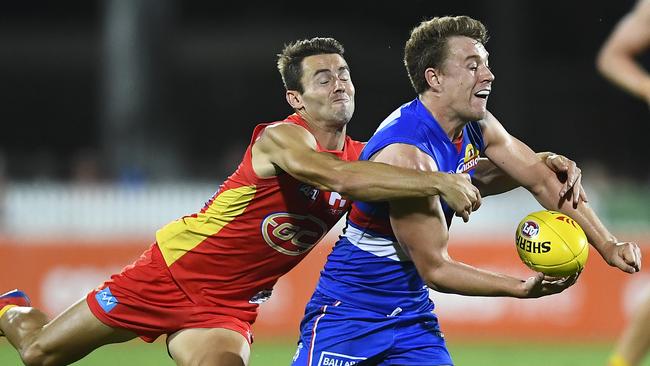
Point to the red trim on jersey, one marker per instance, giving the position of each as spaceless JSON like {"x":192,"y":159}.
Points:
{"x":458,"y":142}
{"x":361,"y":220}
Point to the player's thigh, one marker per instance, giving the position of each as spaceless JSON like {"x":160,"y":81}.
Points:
{"x":418,"y":341}
{"x":77,"y":332}
{"x":343,"y":336}
{"x":209,"y":346}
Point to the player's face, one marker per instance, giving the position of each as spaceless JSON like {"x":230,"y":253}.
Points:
{"x":328,"y":90}
{"x":466,"y":78}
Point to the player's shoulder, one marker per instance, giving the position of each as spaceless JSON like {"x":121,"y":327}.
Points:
{"x":489,"y":122}
{"x":404,"y":115}
{"x":284,"y":127}
{"x":353,"y":148}
{"x":282,"y":133}
{"x":405,"y":155}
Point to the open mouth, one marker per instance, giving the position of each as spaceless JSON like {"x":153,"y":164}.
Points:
{"x":483,"y":93}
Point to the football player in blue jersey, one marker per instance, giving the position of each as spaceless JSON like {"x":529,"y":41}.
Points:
{"x":371,"y":305}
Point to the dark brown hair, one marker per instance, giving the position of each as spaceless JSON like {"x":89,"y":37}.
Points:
{"x":427,"y":46}
{"x":290,"y":60}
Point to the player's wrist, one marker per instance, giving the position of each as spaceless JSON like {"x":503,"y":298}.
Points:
{"x":437,"y":180}
{"x":523,"y":289}
{"x":607,"y":249}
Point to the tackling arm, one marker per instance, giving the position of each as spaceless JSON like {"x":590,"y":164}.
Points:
{"x":520,"y":162}
{"x":292,"y":149}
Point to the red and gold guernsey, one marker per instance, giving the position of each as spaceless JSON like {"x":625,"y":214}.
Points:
{"x":251,"y":232}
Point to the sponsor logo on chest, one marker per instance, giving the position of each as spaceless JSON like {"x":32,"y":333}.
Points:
{"x":292,"y":234}
{"x":469,"y":161}
{"x":337,"y":204}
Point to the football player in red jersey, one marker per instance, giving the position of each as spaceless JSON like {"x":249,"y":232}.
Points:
{"x":201,"y":282}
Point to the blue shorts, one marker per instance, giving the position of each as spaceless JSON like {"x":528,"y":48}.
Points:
{"x":333,"y":333}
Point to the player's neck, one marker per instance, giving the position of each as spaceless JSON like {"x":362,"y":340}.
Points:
{"x":450,"y":122}
{"x":329,"y":136}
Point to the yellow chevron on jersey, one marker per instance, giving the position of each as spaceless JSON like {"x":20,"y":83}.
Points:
{"x":181,"y":236}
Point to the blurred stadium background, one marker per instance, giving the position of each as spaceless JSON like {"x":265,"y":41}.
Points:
{"x":119,"y":116}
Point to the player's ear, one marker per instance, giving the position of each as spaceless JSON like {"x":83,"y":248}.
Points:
{"x":432,"y":77}
{"x":294,"y":99}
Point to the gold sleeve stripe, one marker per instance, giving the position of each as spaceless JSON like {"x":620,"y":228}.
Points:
{"x":181,"y":236}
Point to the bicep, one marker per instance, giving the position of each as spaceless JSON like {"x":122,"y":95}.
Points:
{"x":512,"y":156}
{"x":292,"y":149}
{"x":421,"y":229}
{"x":418,"y":223}
{"x":632,"y":34}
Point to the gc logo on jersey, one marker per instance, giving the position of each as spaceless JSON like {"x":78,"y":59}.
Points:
{"x":469,"y":161}
{"x":292,"y":234}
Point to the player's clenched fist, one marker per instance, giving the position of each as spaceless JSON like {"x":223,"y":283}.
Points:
{"x":460,"y":195}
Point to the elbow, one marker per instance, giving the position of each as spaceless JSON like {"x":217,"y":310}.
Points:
{"x":546,"y":192}
{"x":602,"y":62}
{"x":335,"y":182}
{"x":608,"y":60}
{"x":344,"y":183}
{"x":436,"y":273}
{"x":434,"y":278}
{"x":539,"y":189}
{"x":432,"y":282}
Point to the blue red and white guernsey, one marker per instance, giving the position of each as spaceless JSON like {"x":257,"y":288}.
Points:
{"x":368,"y":271}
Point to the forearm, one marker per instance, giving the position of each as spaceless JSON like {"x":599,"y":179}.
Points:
{"x":460,"y":278}
{"x":624,"y":71}
{"x":597,"y":234}
{"x":370,"y":181}
{"x":491,"y":180}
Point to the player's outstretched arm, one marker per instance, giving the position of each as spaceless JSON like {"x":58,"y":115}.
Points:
{"x":616,"y":59}
{"x":520,"y":162}
{"x":420,"y":227}
{"x":491,"y":180}
{"x":291,"y":148}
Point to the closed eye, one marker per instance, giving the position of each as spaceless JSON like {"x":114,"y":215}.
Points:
{"x":344,"y":75}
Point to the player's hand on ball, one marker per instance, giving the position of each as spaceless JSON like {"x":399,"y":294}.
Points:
{"x":460,"y":194}
{"x":624,"y":255}
{"x":543,"y":285}
{"x":572,"y":190}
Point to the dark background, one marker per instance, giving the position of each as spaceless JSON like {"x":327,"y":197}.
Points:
{"x":163,"y":90}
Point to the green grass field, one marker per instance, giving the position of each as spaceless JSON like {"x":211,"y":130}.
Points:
{"x":272,"y":354}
